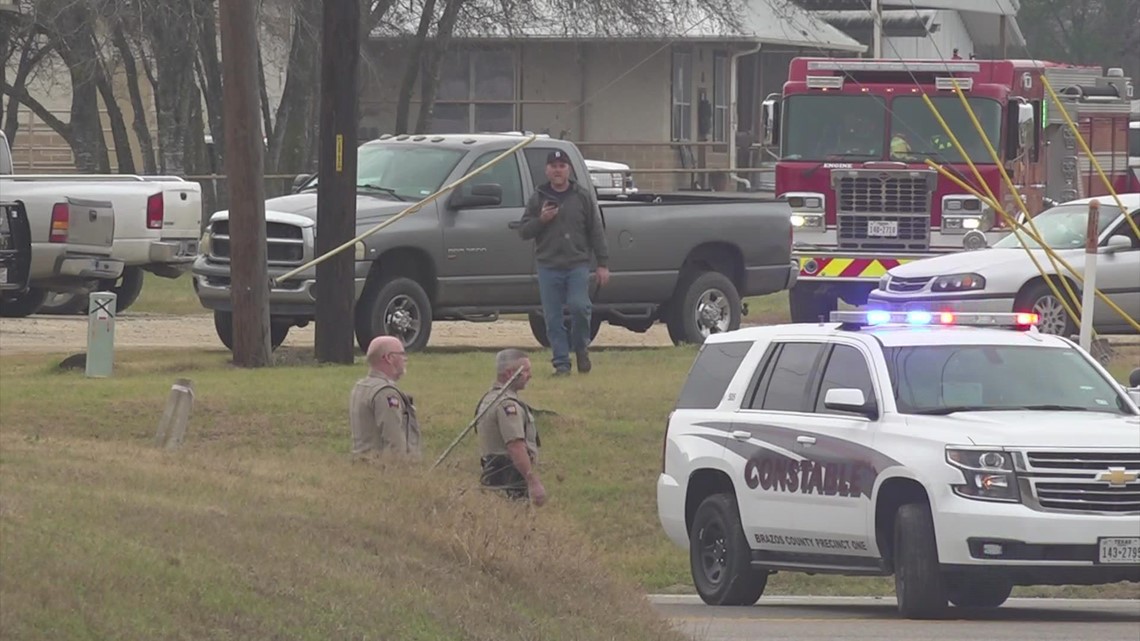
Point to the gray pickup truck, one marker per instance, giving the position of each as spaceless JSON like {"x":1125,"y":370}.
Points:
{"x":683,"y":259}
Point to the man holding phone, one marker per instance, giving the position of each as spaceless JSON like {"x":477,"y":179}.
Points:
{"x":563,"y":218}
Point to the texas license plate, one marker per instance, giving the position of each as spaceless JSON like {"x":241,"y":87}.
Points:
{"x":883,"y":228}
{"x":1120,"y":549}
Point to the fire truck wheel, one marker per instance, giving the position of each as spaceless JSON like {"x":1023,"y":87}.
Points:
{"x":807,"y":305}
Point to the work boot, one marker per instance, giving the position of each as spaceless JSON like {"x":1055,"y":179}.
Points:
{"x":562,"y":371}
{"x":584,"y":364}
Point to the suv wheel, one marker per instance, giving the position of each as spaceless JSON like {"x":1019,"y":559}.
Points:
{"x":978,"y":591}
{"x":919,"y":584}
{"x":719,"y":556}
{"x":395,"y":307}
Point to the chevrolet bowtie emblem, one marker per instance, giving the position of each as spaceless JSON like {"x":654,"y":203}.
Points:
{"x":1116,"y":476}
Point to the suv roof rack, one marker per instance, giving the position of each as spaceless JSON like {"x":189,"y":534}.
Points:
{"x":856,"y":320}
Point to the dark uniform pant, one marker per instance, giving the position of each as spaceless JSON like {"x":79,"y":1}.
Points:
{"x":499,"y":473}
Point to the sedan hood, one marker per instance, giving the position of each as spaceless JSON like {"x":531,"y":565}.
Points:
{"x":981,"y":261}
{"x":1036,"y":429}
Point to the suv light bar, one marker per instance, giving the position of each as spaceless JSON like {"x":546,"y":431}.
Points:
{"x":873,"y":317}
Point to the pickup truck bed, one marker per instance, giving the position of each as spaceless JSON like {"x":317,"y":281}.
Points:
{"x":682,"y":259}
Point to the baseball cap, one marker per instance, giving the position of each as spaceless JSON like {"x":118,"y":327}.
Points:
{"x":556,"y":156}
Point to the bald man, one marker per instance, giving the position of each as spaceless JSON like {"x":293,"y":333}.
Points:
{"x":383,"y":417}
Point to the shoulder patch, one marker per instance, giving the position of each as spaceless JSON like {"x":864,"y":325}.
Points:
{"x":510,"y":409}
{"x":393,"y":401}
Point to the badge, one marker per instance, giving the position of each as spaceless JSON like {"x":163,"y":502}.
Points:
{"x":393,"y":401}
{"x":510,"y":409}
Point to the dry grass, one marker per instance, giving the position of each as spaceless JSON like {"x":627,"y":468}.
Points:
{"x":260,"y":528}
{"x":167,"y":296}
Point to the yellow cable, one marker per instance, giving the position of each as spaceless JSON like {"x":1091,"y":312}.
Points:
{"x":1089,"y":153}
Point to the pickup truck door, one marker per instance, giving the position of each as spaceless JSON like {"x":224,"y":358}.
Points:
{"x":1116,"y":276}
{"x":485,"y":261}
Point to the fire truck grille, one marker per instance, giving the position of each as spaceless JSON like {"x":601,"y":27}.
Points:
{"x":883,"y":211}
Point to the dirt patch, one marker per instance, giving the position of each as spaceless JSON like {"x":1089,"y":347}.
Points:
{"x":144,"y":331}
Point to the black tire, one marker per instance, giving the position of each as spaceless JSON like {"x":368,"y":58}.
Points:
{"x":719,"y":557}
{"x":223,"y":325}
{"x":127,"y":288}
{"x":807,"y":305}
{"x":538,"y":327}
{"x":23,"y":304}
{"x":919,"y":583}
{"x":967,"y":591}
{"x":704,"y":303}
{"x":394,"y":307}
{"x":64,"y":304}
{"x":1053,"y":319}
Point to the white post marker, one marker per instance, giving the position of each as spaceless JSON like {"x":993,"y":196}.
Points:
{"x":100,"y":334}
{"x":1088,"y":296}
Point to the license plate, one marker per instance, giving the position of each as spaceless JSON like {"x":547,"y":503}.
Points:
{"x":3,"y":274}
{"x":883,"y":228}
{"x":1121,"y":549}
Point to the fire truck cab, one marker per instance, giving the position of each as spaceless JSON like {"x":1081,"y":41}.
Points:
{"x":853,"y":135}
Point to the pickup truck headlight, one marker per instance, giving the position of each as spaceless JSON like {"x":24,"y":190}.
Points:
{"x":959,"y":283}
{"x":988,"y":474}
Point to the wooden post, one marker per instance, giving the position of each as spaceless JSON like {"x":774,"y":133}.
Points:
{"x":249,"y":292}
{"x":336,"y":188}
{"x":1088,"y":296}
{"x":176,"y":415}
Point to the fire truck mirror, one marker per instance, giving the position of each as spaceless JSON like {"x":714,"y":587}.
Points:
{"x":770,"y":117}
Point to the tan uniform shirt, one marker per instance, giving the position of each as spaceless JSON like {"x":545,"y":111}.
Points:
{"x":511,"y":419}
{"x":383,"y":419}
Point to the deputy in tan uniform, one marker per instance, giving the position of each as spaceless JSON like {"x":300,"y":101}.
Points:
{"x":383,"y":417}
{"x":508,"y":440}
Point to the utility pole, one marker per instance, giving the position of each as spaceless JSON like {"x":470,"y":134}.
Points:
{"x":336,"y":186}
{"x":249,"y":293}
{"x":877,"y":29}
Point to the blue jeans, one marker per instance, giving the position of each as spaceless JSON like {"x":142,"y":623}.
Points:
{"x":570,"y":289}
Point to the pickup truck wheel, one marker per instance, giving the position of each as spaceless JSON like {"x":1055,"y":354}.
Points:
{"x":397,"y":307}
{"x":538,"y":327}
{"x":707,"y":303}
{"x":919,"y":585}
{"x":22,"y":305}
{"x":127,"y":287}
{"x":969,"y":591}
{"x":719,"y":557}
{"x":64,"y":303}
{"x":224,"y":326}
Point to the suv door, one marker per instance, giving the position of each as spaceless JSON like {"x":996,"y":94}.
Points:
{"x":486,"y":261}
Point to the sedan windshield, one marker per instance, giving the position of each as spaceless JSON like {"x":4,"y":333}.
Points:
{"x":1063,"y":227}
{"x":404,"y":171}
{"x":943,"y":379}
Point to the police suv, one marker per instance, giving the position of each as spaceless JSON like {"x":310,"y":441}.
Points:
{"x":962,"y":453}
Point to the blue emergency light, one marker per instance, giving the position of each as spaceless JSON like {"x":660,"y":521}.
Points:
{"x":915,"y":317}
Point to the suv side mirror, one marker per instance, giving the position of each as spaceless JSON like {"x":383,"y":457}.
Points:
{"x":482,"y":195}
{"x":850,"y":400}
{"x":300,"y":180}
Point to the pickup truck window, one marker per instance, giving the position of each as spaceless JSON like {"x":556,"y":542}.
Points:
{"x":711,"y":373}
{"x":412,"y":172}
{"x":942,"y":379}
{"x":505,"y":174}
{"x":785,"y":388}
{"x":846,"y":368}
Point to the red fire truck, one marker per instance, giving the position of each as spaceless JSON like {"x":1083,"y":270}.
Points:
{"x":853,"y":135}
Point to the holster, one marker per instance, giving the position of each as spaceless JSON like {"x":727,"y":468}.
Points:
{"x":498,"y":472}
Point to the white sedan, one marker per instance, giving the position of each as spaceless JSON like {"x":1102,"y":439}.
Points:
{"x":1002,"y":278}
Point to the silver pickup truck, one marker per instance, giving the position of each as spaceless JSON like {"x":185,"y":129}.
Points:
{"x":682,"y":259}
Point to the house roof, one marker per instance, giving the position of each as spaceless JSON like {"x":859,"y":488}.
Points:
{"x":977,"y":15}
{"x":771,"y":22}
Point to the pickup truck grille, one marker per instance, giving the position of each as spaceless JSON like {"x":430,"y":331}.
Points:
{"x":878,"y":210}
{"x":1107,"y":482}
{"x":285,"y":243}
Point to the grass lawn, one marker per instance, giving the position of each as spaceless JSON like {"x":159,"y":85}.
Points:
{"x":167,"y":296}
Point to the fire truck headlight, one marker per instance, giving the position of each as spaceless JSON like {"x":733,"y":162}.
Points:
{"x":807,"y":221}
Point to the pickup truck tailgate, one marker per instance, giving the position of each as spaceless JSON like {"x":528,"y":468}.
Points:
{"x":88,"y":226}
{"x":182,"y":210}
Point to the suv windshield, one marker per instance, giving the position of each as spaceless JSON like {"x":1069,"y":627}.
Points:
{"x":408,"y":172}
{"x":941,"y":379}
{"x":1063,"y":227}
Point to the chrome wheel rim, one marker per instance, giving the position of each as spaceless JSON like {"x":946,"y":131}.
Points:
{"x":712,"y":312}
{"x":402,"y":318}
{"x":1052,"y":317}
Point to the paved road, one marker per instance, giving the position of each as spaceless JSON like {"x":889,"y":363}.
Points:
{"x":779,"y":618}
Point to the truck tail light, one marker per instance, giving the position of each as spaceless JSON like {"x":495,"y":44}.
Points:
{"x":60,"y":222}
{"x":154,"y":211}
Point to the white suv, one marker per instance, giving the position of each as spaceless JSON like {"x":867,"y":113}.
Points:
{"x":964,"y":454}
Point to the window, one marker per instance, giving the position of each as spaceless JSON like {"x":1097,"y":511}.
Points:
{"x":912,"y":121}
{"x":536,"y":160}
{"x":682,"y":95}
{"x":476,"y":92}
{"x":720,"y":97}
{"x":1063,"y":227}
{"x":786,"y":387}
{"x":505,"y":174}
{"x":712,"y":371}
{"x":833,"y":127}
{"x":846,"y":369}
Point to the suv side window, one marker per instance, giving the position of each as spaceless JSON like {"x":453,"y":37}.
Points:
{"x":505,"y":174}
{"x":711,"y":373}
{"x":536,"y":160}
{"x":846,"y":368}
{"x":785,"y":386}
